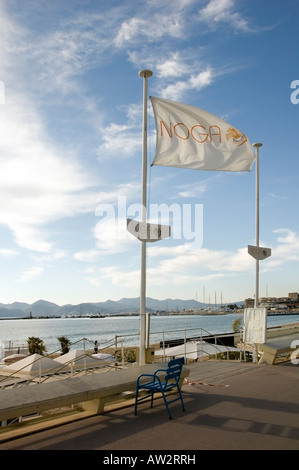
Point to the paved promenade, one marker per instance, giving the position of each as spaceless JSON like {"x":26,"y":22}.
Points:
{"x":229,"y":405}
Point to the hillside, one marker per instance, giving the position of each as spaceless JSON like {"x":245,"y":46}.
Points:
{"x":43,"y":308}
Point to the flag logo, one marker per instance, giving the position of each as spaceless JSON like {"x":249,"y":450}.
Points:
{"x":189,"y":137}
{"x":238,"y":137}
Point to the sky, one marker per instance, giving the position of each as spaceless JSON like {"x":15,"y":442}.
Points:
{"x":71,"y":102}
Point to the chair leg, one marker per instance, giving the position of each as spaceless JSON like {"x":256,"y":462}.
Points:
{"x":135,"y":410}
{"x":136,"y":402}
{"x":152,"y":399}
{"x":181,"y":397}
{"x":166,"y":404}
{"x":151,"y":393}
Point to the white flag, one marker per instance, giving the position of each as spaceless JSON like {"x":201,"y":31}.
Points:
{"x":188,"y":137}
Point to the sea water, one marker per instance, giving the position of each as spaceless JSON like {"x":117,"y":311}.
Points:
{"x":110,"y":331}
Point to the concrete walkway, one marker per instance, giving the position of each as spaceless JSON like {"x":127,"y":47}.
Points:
{"x":229,"y":405}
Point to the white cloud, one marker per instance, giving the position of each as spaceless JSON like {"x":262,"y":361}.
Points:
{"x":46,"y":63}
{"x":55,"y":254}
{"x":38,"y":182}
{"x":221,"y":263}
{"x":119,"y":140}
{"x":59,"y":55}
{"x":197,"y":189}
{"x":197,"y":82}
{"x":129,"y":30}
{"x":122,"y":140}
{"x":31,"y":273}
{"x":122,"y":278}
{"x":174,"y":66}
{"x":157,"y":20}
{"x":287,"y":249}
{"x":87,"y":256}
{"x":178,"y":266}
{"x":218,"y":11}
{"x":179,"y":259}
{"x":7,"y":253}
{"x":290,"y":237}
{"x":111,"y":236}
{"x":151,"y":26}
{"x":30,"y":238}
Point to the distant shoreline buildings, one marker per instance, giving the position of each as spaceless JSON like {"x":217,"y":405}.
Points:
{"x":276,"y":303}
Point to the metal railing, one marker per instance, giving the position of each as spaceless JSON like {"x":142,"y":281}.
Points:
{"x":69,"y":368}
{"x":169,"y":338}
{"x":120,"y":344}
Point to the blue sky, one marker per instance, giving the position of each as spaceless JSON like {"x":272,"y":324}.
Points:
{"x":71,"y":146}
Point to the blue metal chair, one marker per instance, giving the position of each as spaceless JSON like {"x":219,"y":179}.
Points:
{"x":164,"y":384}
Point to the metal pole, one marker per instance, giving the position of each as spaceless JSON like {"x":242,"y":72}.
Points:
{"x":145,"y":74}
{"x":84,"y":357}
{"x":122,"y":354}
{"x":257,"y":202}
{"x":147,"y":330}
{"x":40,"y":369}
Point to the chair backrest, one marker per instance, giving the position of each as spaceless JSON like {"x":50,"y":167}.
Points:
{"x":174,"y":370}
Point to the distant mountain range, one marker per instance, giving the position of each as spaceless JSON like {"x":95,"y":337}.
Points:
{"x":42,"y":308}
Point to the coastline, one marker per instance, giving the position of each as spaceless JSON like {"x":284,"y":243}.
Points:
{"x":121,"y":330}
{"x":152,"y":314}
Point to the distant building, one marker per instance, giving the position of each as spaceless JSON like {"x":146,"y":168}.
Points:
{"x":249,"y":303}
{"x":276,"y":303}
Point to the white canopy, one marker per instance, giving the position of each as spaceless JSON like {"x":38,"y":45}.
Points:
{"x":78,"y":358}
{"x":194,"y":350}
{"x":32,"y":365}
{"x":14,"y":357}
{"x":105,"y":357}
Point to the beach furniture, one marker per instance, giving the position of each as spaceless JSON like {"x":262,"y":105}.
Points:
{"x":162,"y":381}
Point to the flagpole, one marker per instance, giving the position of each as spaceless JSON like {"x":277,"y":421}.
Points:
{"x":257,"y":202}
{"x":145,"y":74}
